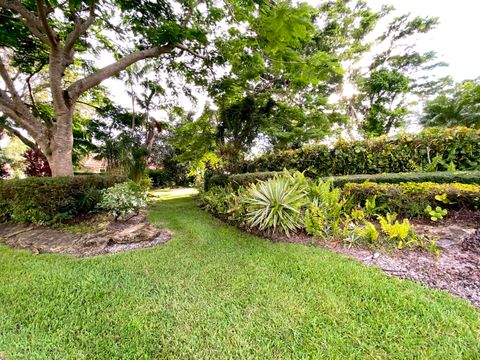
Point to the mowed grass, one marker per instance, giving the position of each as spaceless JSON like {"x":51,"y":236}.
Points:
{"x":215,"y":292}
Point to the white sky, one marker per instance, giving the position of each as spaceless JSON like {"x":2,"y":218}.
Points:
{"x":456,"y":39}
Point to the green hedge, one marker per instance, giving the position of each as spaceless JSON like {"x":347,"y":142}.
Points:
{"x":465,"y":177}
{"x":49,"y":200}
{"x":411,"y":199}
{"x":432,"y":149}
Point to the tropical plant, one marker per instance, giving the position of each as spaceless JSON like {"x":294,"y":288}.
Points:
{"x":436,"y":214}
{"x":367,"y":232}
{"x":123,"y":199}
{"x":457,"y":106}
{"x":275,"y":204}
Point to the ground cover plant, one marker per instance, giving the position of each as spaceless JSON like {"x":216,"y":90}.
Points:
{"x":357,"y":214}
{"x":214,"y":291}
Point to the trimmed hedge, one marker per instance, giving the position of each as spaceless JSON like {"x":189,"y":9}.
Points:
{"x":466,"y":177}
{"x":51,"y":199}
{"x":411,"y":199}
{"x":433,"y":148}
{"x":439,"y":177}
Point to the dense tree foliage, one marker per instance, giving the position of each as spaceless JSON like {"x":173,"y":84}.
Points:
{"x":455,"y":106}
{"x":275,"y":75}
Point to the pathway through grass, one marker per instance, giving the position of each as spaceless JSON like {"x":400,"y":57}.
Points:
{"x":216,"y":292}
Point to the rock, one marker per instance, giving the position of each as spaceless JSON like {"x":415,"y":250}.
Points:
{"x":445,"y":243}
{"x":448,"y":235}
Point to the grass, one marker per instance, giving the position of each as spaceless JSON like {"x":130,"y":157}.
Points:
{"x":216,"y":292}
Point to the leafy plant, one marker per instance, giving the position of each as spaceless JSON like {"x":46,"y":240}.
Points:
{"x":275,"y":204}
{"x":123,"y":199}
{"x":368,"y":232}
{"x":394,"y":229}
{"x":436,"y":214}
{"x":442,"y":198}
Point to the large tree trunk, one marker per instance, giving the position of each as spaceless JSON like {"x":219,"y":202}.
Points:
{"x":60,"y":146}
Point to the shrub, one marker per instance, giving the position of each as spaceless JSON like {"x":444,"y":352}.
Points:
{"x":323,"y":216}
{"x":49,"y":200}
{"x":37,"y":164}
{"x":432,"y":149}
{"x":123,"y":199}
{"x":275,"y":203}
{"x":466,"y":177}
{"x":411,"y":199}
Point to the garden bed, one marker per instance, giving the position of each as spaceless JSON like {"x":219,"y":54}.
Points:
{"x":102,"y":238}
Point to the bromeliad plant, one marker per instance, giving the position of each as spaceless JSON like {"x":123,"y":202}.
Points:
{"x":275,"y":204}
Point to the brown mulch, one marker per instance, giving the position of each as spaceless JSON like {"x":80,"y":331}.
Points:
{"x":134,"y":233}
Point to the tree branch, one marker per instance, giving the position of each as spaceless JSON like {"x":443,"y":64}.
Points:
{"x":19,"y":135}
{"x":185,"y":48}
{"x":9,"y":109}
{"x":79,"y":86}
{"x":11,"y":86}
{"x":79,"y":29}
{"x":28,"y":18}
{"x":52,"y":38}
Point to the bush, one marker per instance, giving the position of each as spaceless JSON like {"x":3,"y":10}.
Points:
{"x":411,"y":199}
{"x":431,"y":150}
{"x":37,"y":164}
{"x":275,"y":203}
{"x":123,"y":199}
{"x":466,"y":177}
{"x":49,"y":200}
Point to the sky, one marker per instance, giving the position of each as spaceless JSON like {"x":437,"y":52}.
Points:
{"x":455,"y":40}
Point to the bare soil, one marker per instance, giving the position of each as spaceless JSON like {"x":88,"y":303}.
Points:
{"x":113,"y":237}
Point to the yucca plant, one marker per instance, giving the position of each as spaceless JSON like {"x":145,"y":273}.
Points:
{"x":274,"y":204}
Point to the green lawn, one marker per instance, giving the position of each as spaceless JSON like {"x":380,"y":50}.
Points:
{"x":216,"y":292}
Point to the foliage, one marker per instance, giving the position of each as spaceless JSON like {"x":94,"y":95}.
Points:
{"x":37,"y":164}
{"x":396,"y":76}
{"x":222,"y":283}
{"x":457,"y":106}
{"x":411,"y":199}
{"x":123,"y":199}
{"x":368,"y":232}
{"x":323,"y":216}
{"x":440,"y":177}
{"x":49,"y":200}
{"x":436,"y":214}
{"x":403,"y":153}
{"x":274,"y":204}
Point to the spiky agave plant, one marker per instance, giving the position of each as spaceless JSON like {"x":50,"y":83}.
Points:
{"x":275,"y":203}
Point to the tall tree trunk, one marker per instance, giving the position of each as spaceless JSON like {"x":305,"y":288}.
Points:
{"x":60,"y":146}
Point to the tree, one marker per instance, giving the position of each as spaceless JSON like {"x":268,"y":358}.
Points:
{"x":457,"y":106}
{"x":36,"y":37}
{"x":376,"y":97}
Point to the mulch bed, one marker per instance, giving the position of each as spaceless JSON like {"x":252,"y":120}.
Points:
{"x":135,"y":233}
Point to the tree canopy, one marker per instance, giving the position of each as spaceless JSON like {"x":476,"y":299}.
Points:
{"x":455,"y":106}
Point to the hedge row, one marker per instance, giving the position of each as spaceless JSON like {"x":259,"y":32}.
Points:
{"x":49,"y":200}
{"x":465,"y":177}
{"x":430,"y":150}
{"x":411,"y":199}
